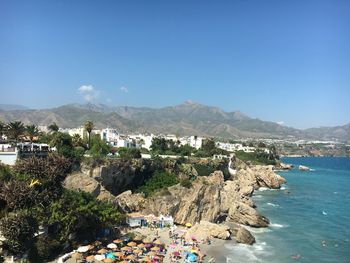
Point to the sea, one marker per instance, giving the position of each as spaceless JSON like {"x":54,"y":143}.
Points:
{"x":311,"y":223}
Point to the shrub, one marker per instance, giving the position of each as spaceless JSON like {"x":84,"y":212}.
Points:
{"x":186,"y":183}
{"x":46,"y":249}
{"x":203,"y":170}
{"x":18,"y":229}
{"x":158,"y":181}
{"x":129,"y":153}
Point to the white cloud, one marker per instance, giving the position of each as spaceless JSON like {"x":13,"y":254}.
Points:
{"x":88,"y":92}
{"x":280,"y":122}
{"x":124,"y":89}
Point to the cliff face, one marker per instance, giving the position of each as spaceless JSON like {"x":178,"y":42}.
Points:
{"x":215,"y":200}
{"x":209,"y":199}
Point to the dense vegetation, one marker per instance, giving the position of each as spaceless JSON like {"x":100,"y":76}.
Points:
{"x":257,"y":157}
{"x":32,"y":195}
{"x":158,"y":181}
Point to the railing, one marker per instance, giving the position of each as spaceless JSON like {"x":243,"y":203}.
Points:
{"x":9,"y":149}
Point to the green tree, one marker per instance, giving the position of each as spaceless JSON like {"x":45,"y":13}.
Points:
{"x":81,"y":214}
{"x":15,"y":130}
{"x":129,"y":153}
{"x":2,"y":129}
{"x":31,"y":131}
{"x":63,"y":143}
{"x":77,"y":140}
{"x":53,"y":127}
{"x":98,"y":146}
{"x":88,"y":127}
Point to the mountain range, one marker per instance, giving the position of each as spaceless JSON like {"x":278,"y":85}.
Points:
{"x":185,"y":119}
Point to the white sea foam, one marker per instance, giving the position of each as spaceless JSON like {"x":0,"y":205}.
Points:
{"x":257,"y":196}
{"x":242,"y":253}
{"x":274,"y":225}
{"x":271,"y":204}
{"x":324,"y":213}
{"x":283,"y":188}
{"x":258,"y":230}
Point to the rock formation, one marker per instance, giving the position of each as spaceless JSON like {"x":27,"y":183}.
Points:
{"x":205,"y":229}
{"x":210,"y":199}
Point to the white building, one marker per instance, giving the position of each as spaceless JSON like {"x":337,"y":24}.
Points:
{"x":233,"y":147}
{"x":196,"y":142}
{"x":111,"y":136}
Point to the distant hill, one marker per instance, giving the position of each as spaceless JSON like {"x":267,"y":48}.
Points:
{"x":185,"y":119}
{"x":9,"y":107}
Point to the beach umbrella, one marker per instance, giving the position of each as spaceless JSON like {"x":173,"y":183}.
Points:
{"x":137,"y":251}
{"x":102,"y":251}
{"x":99,"y":257}
{"x":192,"y":257}
{"x":131,"y":257}
{"x":132,"y":244}
{"x":83,"y":249}
{"x":110,"y":255}
{"x":77,"y":255}
{"x":155,"y":248}
{"x":117,"y":241}
{"x":176,"y":254}
{"x":137,"y":238}
{"x":158,"y":242}
{"x":151,"y":253}
{"x":108,"y":260}
{"x":118,"y":254}
{"x":147,"y":240}
{"x":148,"y":245}
{"x":112,"y":246}
{"x":124,"y":261}
{"x":145,"y":259}
{"x":90,"y":258}
{"x":141,"y":245}
{"x":188,"y":224}
{"x":125,"y":249}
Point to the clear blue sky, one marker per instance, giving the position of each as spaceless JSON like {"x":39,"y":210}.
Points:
{"x":276,"y":60}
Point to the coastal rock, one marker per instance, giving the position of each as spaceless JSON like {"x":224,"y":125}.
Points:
{"x":285,"y":166}
{"x":260,"y":176}
{"x":244,"y":236}
{"x":206,"y":229}
{"x":129,"y":202}
{"x":83,"y":182}
{"x":201,"y":202}
{"x":304,"y":168}
{"x":246,"y":215}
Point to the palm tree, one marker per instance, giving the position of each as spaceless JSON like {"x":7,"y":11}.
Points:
{"x":53,"y":127}
{"x":88,"y":127}
{"x":2,"y":129}
{"x":31,"y":131}
{"x":15,"y":130}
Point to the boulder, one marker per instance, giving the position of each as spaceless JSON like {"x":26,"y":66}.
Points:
{"x":206,"y":229}
{"x":285,"y":166}
{"x":244,"y":214}
{"x":83,"y":182}
{"x":304,"y":168}
{"x":242,"y":235}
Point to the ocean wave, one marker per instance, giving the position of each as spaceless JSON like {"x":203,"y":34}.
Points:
{"x":261,"y":189}
{"x":258,"y":230}
{"x":274,"y":225}
{"x":257,"y":196}
{"x":324,"y":213}
{"x":271,"y":204}
{"x":242,"y":253}
{"x":283,"y":188}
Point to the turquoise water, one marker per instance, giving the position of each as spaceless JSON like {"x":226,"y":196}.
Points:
{"x":311,"y":223}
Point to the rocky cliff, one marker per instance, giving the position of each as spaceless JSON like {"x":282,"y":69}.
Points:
{"x":209,"y":199}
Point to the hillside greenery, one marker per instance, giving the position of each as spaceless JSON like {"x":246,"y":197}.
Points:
{"x":159,"y":180}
